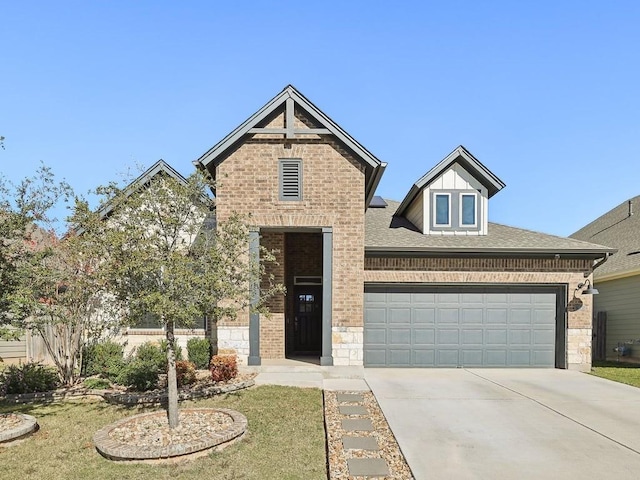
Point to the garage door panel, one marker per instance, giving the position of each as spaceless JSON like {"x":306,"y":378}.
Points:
{"x":447,"y":357}
{"x":472,"y":315}
{"x":495,"y":337}
{"x":472,"y":358}
{"x":447,"y":315}
{"x":400,"y":336}
{"x":445,"y":336}
{"x":438,"y":327}
{"x":400,"y":357}
{"x":424,"y":315}
{"x":424,"y":357}
{"x":424,"y":336}
{"x":471,"y":337}
{"x":399,"y":315}
{"x":496,"y":316}
{"x":375,"y":336}
{"x":376,"y":315}
{"x":495,"y":357}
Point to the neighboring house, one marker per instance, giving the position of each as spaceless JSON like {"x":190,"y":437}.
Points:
{"x":618,"y":280}
{"x":148,"y":328}
{"x":428,"y":281}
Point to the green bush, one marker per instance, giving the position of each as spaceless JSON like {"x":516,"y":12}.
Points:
{"x":141,"y":375}
{"x":104,"y":358}
{"x":185,"y":372}
{"x":178,"y":349}
{"x":223,"y":368}
{"x":199,"y":351}
{"x":152,"y":353}
{"x":97,"y":383}
{"x":28,"y":378}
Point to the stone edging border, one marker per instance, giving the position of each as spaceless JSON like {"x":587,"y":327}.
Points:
{"x":114,"y":450}
{"x":28,"y":425}
{"x":123,"y":398}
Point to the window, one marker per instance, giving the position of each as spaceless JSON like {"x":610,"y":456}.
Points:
{"x":150,"y":322}
{"x":442,"y":209}
{"x":290,"y":179}
{"x":468,"y":209}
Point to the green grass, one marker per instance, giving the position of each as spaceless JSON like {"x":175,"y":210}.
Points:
{"x":621,"y":372}
{"x":285,"y":440}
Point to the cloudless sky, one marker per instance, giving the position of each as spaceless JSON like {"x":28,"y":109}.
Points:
{"x":545,"y":93}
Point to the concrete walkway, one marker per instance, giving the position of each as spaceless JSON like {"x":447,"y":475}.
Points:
{"x":510,"y":423}
{"x":296,"y":373}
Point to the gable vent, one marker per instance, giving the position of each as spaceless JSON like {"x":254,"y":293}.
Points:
{"x":291,"y":179}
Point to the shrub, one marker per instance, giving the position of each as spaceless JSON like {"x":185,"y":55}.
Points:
{"x":104,"y":358}
{"x":199,"y":351}
{"x":185,"y":372}
{"x":223,"y":368}
{"x":141,"y":375}
{"x":178,"y":349}
{"x":97,"y":383}
{"x":28,"y":378}
{"x":153,"y":354}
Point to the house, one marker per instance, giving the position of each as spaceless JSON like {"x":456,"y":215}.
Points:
{"x":618,"y":280}
{"x":424,"y":282}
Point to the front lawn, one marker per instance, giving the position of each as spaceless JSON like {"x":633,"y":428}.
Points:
{"x":628,"y":373}
{"x":285,"y":440}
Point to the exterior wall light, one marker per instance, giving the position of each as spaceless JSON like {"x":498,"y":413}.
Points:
{"x":589,"y":290}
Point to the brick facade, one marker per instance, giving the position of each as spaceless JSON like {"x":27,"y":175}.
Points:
{"x":332,"y":196}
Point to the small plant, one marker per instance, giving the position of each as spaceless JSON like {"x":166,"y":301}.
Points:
{"x":97,"y":383}
{"x":199,"y":351}
{"x":178,"y":349}
{"x":104,"y":358}
{"x":185,"y":372}
{"x":28,"y":378}
{"x":223,"y":368}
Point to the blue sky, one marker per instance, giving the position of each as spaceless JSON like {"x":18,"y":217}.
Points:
{"x":544,"y":93}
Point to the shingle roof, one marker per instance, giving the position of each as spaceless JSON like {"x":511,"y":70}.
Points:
{"x":619,"y":230}
{"x":386,"y":232}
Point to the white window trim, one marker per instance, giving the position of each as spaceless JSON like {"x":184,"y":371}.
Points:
{"x":435,"y":215}
{"x":460,"y":209}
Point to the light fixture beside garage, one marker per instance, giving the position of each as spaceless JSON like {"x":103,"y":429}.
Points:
{"x":589,"y":290}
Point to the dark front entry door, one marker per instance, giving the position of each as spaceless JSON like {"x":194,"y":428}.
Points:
{"x":307,"y":317}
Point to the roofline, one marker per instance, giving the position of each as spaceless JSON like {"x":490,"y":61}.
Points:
{"x":373,"y":183}
{"x":288,"y":92}
{"x":459,"y":151}
{"x":574,"y":252}
{"x":630,"y":272}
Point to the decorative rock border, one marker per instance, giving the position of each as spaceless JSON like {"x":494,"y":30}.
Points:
{"x":122,"y":398}
{"x":27,"y":426}
{"x":128,"y":398}
{"x":114,"y":450}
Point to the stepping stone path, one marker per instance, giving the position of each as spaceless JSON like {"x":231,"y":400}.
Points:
{"x":359,"y":467}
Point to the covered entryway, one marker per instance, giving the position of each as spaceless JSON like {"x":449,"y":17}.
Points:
{"x":464,"y":326}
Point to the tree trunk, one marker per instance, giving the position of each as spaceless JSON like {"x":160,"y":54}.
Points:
{"x":172,"y":380}
{"x":213,"y":335}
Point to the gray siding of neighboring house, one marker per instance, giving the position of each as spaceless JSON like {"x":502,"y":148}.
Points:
{"x":13,"y":351}
{"x":620,"y":298}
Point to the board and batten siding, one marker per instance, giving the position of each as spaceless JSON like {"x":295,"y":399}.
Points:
{"x":620,"y":298}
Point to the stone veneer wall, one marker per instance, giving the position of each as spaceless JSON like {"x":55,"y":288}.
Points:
{"x":462,"y":271}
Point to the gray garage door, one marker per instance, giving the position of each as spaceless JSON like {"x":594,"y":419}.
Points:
{"x":460,"y":327}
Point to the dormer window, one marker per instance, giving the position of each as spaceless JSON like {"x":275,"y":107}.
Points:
{"x":442,"y":210}
{"x":455,"y":211}
{"x":468,"y":211}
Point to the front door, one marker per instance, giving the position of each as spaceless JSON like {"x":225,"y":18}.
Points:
{"x":307,"y":317}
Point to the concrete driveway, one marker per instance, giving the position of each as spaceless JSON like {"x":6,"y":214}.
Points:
{"x":510,"y":423}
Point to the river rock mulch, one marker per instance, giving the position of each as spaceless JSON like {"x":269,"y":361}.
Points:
{"x":388,"y":446}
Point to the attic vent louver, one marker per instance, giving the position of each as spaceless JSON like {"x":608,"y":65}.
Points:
{"x":291,"y":179}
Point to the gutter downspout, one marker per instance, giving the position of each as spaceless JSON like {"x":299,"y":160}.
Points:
{"x":597,"y":264}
